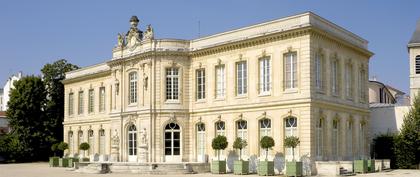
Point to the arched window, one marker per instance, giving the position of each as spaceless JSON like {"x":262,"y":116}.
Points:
{"x":242,"y":132}
{"x":350,"y":139}
{"x":91,"y":142}
{"x":290,"y":130}
{"x":71,"y":142}
{"x":172,"y":140}
{"x":319,"y":138}
{"x":265,"y":130}
{"x":362,"y":139}
{"x":102,"y":141}
{"x":132,"y":143}
{"x":80,"y":140}
{"x":133,"y":87}
{"x":335,"y":136}
{"x":220,"y":128}
{"x":201,"y":142}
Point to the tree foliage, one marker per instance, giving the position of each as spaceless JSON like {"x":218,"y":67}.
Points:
{"x":27,"y":118}
{"x":292,"y":142}
{"x":383,"y":148}
{"x":407,"y":143}
{"x":266,"y":143}
{"x":219,"y":143}
{"x":53,"y":74}
{"x":84,"y":146}
{"x":239,"y":143}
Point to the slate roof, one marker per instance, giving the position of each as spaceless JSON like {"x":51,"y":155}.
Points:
{"x":415,"y":39}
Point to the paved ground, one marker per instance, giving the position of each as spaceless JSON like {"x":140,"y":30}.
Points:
{"x":42,"y":170}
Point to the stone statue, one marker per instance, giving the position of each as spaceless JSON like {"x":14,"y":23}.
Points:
{"x":120,"y":40}
{"x":148,"y":34}
{"x":143,"y":136}
{"x":115,"y":138}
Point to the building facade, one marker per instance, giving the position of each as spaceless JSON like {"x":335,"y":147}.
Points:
{"x":164,"y":100}
{"x":414,"y":58}
{"x":4,"y":96}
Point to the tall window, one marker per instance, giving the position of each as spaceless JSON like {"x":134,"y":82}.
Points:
{"x":241,"y":78}
{"x":172,"y":83}
{"x":71,"y":104}
{"x":418,"y":64}
{"x":349,"y":81}
{"x":335,"y":139}
{"x":133,"y":87}
{"x":101,"y":99}
{"x":290,"y":130}
{"x":220,"y":128}
{"x":80,"y":140}
{"x":290,"y":61}
{"x":132,"y":140}
{"x":362,"y":139}
{"x":220,"y":81}
{"x":362,"y":89}
{"x":91,"y":141}
{"x":201,"y":83}
{"x":201,"y":142}
{"x":334,"y":77}
{"x":242,"y":131}
{"x":80,"y":103}
{"x":350,"y":139}
{"x":102,"y":141}
{"x":265,"y":80}
{"x":71,"y":142}
{"x":319,"y":138}
{"x":318,"y":71}
{"x":91,"y":101}
{"x":265,"y":130}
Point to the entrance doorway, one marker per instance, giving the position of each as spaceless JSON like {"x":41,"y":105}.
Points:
{"x":132,"y":143}
{"x":172,"y":143}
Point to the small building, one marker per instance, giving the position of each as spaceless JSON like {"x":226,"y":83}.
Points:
{"x":6,"y":90}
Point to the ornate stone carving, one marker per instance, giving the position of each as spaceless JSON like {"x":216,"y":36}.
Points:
{"x":149,"y":34}
{"x":115,"y":139}
{"x":143,"y":136}
{"x":134,"y":35}
{"x":121,"y":40}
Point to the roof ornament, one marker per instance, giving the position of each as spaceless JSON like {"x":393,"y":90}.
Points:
{"x":134,"y":35}
{"x":148,"y":34}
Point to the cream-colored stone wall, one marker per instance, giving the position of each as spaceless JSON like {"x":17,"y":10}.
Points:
{"x":414,"y":78}
{"x":153,"y":112}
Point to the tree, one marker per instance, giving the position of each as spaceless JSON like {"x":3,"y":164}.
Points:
{"x":239,"y":143}
{"x":219,"y":143}
{"x":84,"y":146}
{"x":291,"y":142}
{"x":407,"y":142}
{"x":27,"y":119}
{"x":53,"y":75}
{"x":267,"y":142}
{"x":54,"y":148}
{"x":383,"y":148}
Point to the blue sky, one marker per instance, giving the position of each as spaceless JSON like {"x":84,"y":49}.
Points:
{"x":33,"y":33}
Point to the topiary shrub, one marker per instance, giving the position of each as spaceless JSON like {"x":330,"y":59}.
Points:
{"x":219,"y":143}
{"x":239,"y":143}
{"x":62,"y":146}
{"x":54,"y":148}
{"x":84,"y":146}
{"x":291,"y":142}
{"x":266,"y":143}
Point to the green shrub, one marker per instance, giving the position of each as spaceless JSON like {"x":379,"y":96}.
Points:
{"x":239,"y":143}
{"x":291,"y":142}
{"x":383,"y":148}
{"x":266,"y":143}
{"x":219,"y":143}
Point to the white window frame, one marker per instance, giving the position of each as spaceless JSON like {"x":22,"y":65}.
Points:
{"x":349,"y":80}
{"x":200,"y":84}
{"x":319,"y":71}
{"x":71,"y":104}
{"x":265,"y":130}
{"x":91,"y":142}
{"x":319,"y":138}
{"x":335,"y":77}
{"x":91,"y":101}
{"x":220,"y":82}
{"x":350,"y":139}
{"x":290,"y":70}
{"x":172,"y":83}
{"x":201,"y":142}
{"x":101,"y":99}
{"x":80,"y":103}
{"x":241,"y":78}
{"x":102,"y":141}
{"x":335,"y":138}
{"x":220,"y":127}
{"x":265,"y":75}
{"x":362,"y":90}
{"x":132,"y":88}
{"x":71,"y":142}
{"x":242,"y":132}
{"x":290,"y":129}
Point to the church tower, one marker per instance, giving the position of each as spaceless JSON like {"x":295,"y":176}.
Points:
{"x":414,"y":54}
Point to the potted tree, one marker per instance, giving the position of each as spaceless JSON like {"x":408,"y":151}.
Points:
{"x":293,"y":168}
{"x":54,"y":159}
{"x":240,"y":166}
{"x":266,"y":168}
{"x":84,"y":146}
{"x":63,"y":162}
{"x":219,"y":143}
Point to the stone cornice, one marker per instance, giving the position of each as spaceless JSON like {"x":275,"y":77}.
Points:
{"x":87,"y":76}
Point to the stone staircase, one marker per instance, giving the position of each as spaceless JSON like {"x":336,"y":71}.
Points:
{"x":140,"y":168}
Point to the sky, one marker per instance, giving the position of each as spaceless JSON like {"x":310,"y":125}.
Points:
{"x":34,"y":33}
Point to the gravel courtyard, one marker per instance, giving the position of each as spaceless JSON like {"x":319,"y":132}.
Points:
{"x":42,"y":170}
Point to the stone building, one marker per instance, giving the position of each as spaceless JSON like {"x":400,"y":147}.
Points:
{"x":414,"y":57}
{"x":164,"y":100}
